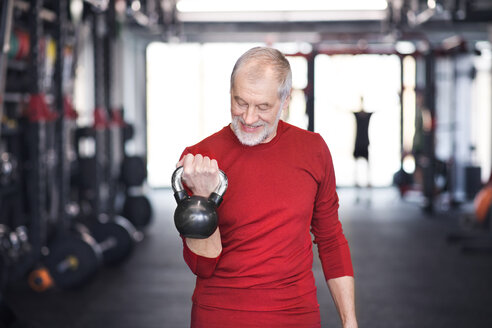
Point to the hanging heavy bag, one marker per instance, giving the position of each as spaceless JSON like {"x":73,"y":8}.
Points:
{"x":195,"y":216}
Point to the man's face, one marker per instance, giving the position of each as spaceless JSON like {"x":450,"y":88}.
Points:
{"x":255,"y":107}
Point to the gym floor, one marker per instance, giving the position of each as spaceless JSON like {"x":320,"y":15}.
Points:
{"x":407,"y":275}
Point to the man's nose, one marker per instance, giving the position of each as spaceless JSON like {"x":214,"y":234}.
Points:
{"x":250,"y":116}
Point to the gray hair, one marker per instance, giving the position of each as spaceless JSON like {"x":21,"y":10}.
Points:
{"x":269,"y":57}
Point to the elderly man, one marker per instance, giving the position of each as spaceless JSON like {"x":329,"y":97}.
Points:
{"x":255,"y":270}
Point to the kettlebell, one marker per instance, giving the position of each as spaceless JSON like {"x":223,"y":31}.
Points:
{"x":195,"y":216}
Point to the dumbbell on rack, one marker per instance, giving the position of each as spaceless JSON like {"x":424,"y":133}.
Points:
{"x":136,"y":206}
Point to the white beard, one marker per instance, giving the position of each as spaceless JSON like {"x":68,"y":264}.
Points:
{"x":253,"y":139}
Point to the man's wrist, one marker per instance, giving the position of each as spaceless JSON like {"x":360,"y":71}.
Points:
{"x":210,"y":247}
{"x":203,"y":248}
{"x":350,"y":323}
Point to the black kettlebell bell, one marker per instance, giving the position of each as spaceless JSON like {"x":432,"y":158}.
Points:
{"x":195,"y":216}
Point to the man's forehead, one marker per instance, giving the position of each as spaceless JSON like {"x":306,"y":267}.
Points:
{"x":255,"y":69}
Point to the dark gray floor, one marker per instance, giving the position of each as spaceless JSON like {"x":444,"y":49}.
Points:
{"x":406,"y":275}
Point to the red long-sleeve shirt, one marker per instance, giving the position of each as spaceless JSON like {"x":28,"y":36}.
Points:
{"x":278,"y":192}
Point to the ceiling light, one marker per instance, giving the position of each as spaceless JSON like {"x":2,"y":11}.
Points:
{"x":136,"y":5}
{"x":278,"y":5}
{"x":405,"y":47}
{"x":431,"y":4}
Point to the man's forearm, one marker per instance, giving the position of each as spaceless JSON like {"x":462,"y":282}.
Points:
{"x":210,"y":247}
{"x":342,"y":291}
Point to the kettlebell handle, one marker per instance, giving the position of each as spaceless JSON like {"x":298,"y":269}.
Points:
{"x":180,"y":193}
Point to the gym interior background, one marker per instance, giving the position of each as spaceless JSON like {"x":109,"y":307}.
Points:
{"x":98,"y":99}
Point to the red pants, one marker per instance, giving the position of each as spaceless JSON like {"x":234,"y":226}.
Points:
{"x":211,"y":317}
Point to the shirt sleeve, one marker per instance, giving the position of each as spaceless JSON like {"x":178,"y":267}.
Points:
{"x":201,"y":266}
{"x":328,"y":234}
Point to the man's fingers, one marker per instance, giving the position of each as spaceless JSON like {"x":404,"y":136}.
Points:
{"x":200,"y":173}
{"x":188,"y":168}
{"x":188,"y":161}
{"x":206,"y":164}
{"x":214,"y":164}
{"x":198,"y":163}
